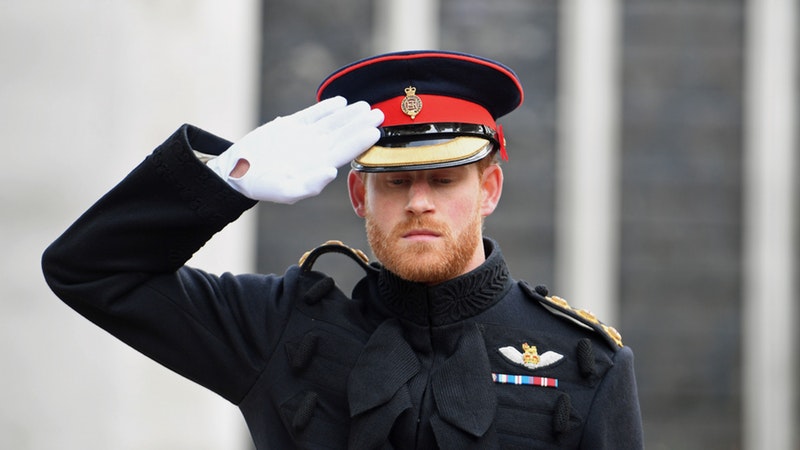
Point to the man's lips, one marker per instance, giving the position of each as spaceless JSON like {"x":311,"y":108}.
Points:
{"x":421,"y":234}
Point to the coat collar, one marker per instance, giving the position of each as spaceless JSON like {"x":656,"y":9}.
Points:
{"x":454,"y":300}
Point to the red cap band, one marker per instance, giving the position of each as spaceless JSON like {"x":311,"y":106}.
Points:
{"x":435,"y":109}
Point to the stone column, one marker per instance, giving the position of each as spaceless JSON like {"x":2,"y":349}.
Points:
{"x":88,"y":89}
{"x":770,"y":226}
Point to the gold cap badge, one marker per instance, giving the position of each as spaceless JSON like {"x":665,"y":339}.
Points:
{"x":411,"y":104}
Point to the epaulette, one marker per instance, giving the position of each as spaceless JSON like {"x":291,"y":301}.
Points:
{"x":559,"y":306}
{"x":310,"y":257}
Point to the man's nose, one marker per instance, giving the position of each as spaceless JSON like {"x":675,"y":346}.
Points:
{"x":419,"y":197}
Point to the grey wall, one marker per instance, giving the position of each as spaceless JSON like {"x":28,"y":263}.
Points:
{"x":681,"y":216}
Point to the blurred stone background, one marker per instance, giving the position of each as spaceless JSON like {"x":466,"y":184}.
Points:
{"x":89,"y":88}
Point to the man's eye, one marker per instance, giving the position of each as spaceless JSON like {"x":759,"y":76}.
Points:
{"x":397,"y":181}
{"x":443,"y":180}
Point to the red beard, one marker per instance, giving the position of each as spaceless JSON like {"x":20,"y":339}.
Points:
{"x":424,"y":262}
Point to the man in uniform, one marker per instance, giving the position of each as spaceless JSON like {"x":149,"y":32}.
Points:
{"x":436,"y":347}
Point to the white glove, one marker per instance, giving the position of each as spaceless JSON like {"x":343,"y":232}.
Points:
{"x":295,"y":157}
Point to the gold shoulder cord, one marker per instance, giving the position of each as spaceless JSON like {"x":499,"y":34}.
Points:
{"x":307,"y":260}
{"x":585,"y":317}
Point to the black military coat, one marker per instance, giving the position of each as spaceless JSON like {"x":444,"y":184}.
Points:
{"x":481,"y":361}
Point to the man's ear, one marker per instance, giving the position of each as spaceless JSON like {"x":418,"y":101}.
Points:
{"x":357,"y":189}
{"x":491,"y":189}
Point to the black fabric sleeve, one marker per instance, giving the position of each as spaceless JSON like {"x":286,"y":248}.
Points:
{"x":121,"y":265}
{"x":615,"y":420}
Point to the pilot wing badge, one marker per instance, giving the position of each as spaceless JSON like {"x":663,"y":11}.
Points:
{"x":529,"y":357}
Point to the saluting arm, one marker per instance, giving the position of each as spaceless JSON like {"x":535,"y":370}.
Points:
{"x":121,"y":264}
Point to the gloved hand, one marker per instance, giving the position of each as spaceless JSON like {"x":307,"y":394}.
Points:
{"x":295,"y":157}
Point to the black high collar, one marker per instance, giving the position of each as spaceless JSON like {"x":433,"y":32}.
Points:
{"x":451,"y":301}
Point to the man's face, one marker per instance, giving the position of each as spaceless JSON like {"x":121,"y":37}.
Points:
{"x":425,"y":225}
